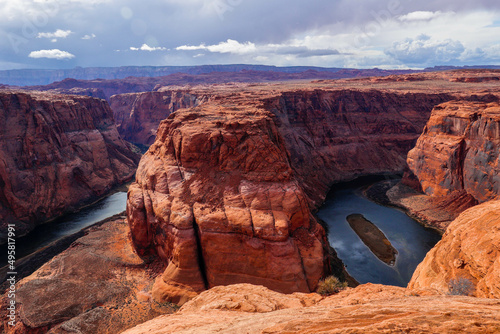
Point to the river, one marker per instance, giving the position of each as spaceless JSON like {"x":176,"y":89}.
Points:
{"x":45,"y":234}
{"x":411,"y":239}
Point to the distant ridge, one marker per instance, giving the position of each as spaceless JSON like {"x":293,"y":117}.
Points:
{"x":31,"y":77}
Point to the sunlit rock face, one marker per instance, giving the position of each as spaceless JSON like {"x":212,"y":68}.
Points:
{"x":58,"y":152}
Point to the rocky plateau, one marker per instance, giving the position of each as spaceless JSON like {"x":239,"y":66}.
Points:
{"x":57,"y":153}
{"x":220,"y":218}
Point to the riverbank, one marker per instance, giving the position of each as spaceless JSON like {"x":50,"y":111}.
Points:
{"x":430,"y":212}
{"x":410,"y":239}
{"x":48,"y":240}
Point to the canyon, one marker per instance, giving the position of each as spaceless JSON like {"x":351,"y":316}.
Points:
{"x":58,"y":153}
{"x":226,"y":196}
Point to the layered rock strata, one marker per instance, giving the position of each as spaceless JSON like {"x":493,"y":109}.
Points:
{"x":459,"y":151}
{"x":57,"y":153}
{"x":468,"y":256}
{"x":225,"y":193}
{"x":138,"y":115}
{"x":335,"y":136}
{"x":216,"y":198}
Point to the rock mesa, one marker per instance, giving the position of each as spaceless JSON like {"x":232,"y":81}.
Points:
{"x":57,"y":153}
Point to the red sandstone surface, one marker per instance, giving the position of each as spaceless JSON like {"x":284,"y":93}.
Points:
{"x":243,"y":170}
{"x":226,"y":193}
{"x":58,"y":152}
{"x":459,"y":151}
{"x":216,"y":198}
{"x":368,"y":308}
{"x":469,"y":251}
{"x":98,"y":285}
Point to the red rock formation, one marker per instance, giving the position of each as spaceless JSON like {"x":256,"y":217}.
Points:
{"x":216,"y":198}
{"x":369,"y":308}
{"x":138,"y":115}
{"x":468,"y":251}
{"x":459,"y":151}
{"x":57,"y":153}
{"x":98,"y":285}
{"x":244,"y":170}
{"x":335,"y":136}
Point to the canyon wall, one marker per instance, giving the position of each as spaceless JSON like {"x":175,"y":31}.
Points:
{"x":57,"y":153}
{"x":335,"y":136}
{"x":467,"y":259}
{"x":459,"y":151}
{"x":138,"y":115}
{"x":216,"y":198}
{"x":225,"y":194}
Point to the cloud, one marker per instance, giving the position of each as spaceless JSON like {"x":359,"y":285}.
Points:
{"x":230,"y":46}
{"x":51,"y":54}
{"x":91,"y":36}
{"x":235,"y":47}
{"x":146,"y":47}
{"x":419,"y":16}
{"x":425,"y":50}
{"x":59,"y":33}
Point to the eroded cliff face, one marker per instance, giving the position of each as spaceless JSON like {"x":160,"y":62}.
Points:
{"x":228,"y":183}
{"x":57,"y":153}
{"x":216,"y":198}
{"x":138,"y":115}
{"x":468,"y":254}
{"x":459,"y":151}
{"x":335,"y":136}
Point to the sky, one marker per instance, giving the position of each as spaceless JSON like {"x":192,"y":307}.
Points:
{"x":391,"y":34}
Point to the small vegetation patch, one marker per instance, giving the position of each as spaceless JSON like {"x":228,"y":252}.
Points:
{"x":460,"y":287}
{"x":330,"y":285}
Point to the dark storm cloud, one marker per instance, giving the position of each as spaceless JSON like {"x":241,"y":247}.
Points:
{"x":100,"y":27}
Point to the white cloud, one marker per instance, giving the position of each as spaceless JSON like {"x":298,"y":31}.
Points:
{"x":146,"y":47}
{"x":59,"y":33}
{"x":425,"y":50}
{"x":51,"y":54}
{"x":91,"y":36}
{"x":230,"y":46}
{"x":419,"y":16}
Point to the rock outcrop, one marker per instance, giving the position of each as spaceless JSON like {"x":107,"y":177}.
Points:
{"x":338,"y":135}
{"x":216,"y":198}
{"x":468,"y":255}
{"x":459,"y":151}
{"x":237,"y":178}
{"x":368,"y":308}
{"x":57,"y":153}
{"x":138,"y":115}
{"x":98,"y":285}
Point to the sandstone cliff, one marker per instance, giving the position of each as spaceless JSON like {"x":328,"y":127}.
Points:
{"x":338,"y":135}
{"x":57,"y":153}
{"x":138,"y":115}
{"x":235,"y":179}
{"x":459,"y":151}
{"x":469,"y":253}
{"x":216,"y":198}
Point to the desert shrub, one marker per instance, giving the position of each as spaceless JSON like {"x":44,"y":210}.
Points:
{"x":330,"y":286}
{"x":460,"y":287}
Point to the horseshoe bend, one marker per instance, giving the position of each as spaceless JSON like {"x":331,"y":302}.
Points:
{"x":222,"y":218}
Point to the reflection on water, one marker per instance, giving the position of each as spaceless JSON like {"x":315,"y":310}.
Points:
{"x":411,"y":239}
{"x":44,"y":234}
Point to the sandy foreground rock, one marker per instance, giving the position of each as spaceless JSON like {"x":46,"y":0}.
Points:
{"x":368,"y":308}
{"x":469,"y":250}
{"x":98,"y":285}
